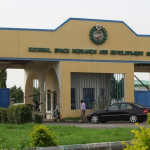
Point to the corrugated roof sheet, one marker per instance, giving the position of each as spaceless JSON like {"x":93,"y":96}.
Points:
{"x":137,"y":83}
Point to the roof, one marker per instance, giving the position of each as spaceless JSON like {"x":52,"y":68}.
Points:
{"x":138,"y":83}
{"x":79,"y":19}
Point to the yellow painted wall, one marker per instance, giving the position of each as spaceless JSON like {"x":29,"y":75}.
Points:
{"x":73,"y":34}
{"x":95,"y":67}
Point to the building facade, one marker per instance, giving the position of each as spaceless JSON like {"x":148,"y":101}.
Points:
{"x":87,"y":59}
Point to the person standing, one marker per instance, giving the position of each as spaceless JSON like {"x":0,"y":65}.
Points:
{"x":83,"y":111}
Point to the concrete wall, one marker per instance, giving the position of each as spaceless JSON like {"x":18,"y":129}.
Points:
{"x":73,"y":34}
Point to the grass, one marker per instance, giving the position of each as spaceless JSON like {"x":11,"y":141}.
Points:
{"x":66,"y":135}
{"x":12,"y":135}
{"x":76,"y":135}
{"x":72,"y":118}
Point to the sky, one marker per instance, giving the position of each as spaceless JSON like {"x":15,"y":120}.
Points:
{"x":49,"y":14}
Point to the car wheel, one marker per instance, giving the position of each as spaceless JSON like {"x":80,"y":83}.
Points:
{"x":133,"y":118}
{"x":94,"y":119}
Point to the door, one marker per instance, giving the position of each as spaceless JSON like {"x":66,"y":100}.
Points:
{"x":111,"y":114}
{"x":54,"y":101}
{"x":48,"y":100}
{"x":124,"y":111}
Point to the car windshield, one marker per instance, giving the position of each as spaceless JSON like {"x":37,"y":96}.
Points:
{"x":139,"y":105}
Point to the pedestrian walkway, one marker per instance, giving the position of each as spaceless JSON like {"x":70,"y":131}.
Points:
{"x":93,"y":146}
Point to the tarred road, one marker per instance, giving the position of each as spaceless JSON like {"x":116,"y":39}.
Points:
{"x":99,"y":125}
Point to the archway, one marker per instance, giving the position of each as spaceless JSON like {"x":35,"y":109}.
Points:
{"x":31,"y":84}
{"x":53,"y":91}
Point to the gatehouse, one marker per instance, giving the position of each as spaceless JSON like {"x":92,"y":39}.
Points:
{"x":87,"y":59}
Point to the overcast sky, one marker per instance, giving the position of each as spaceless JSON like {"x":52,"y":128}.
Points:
{"x":49,"y":14}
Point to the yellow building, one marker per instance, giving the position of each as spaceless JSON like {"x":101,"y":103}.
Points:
{"x":80,"y":59}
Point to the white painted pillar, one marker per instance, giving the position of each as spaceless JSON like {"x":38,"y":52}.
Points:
{"x":42,"y":100}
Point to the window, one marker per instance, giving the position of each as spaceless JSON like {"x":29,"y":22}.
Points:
{"x":125,"y":106}
{"x":114,"y":107}
{"x":73,"y":104}
{"x":48,"y":100}
{"x":139,"y":105}
{"x":88,"y":97}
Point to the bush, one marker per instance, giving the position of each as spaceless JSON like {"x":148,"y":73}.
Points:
{"x":148,"y":119}
{"x":19,"y":114}
{"x":42,"y":137}
{"x":0,"y":114}
{"x":11,"y":113}
{"x":4,"y":115}
{"x":141,"y":139}
{"x":38,"y":118}
{"x":23,"y":114}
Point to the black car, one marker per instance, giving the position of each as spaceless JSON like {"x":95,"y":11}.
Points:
{"x":125,"y":111}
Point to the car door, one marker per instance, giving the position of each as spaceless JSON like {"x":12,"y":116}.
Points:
{"x":111,"y":113}
{"x":124,"y":111}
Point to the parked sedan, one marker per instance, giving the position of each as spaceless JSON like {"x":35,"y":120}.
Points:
{"x":126,"y":111}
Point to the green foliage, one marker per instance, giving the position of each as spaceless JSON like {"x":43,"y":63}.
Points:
{"x":114,"y":94}
{"x":101,"y":103}
{"x":3,"y":78}
{"x":38,"y":118}
{"x":148,"y":119}
{"x":4,"y":143}
{"x":11,"y":113}
{"x":67,"y":135}
{"x":4,"y":115}
{"x":141,"y":140}
{"x":19,"y":114}
{"x":16,"y":93}
{"x":71,"y":118}
{"x":15,"y":136}
{"x":24,"y":144}
{"x":23,"y":114}
{"x":36,"y":97}
{"x":42,"y":137}
{"x":0,"y":114}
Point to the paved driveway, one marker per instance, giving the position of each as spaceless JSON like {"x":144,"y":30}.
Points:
{"x":99,"y":125}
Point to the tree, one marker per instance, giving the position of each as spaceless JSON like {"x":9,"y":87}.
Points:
{"x":36,"y":91}
{"x":3,"y":78}
{"x":117,"y":88}
{"x":16,"y":93}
